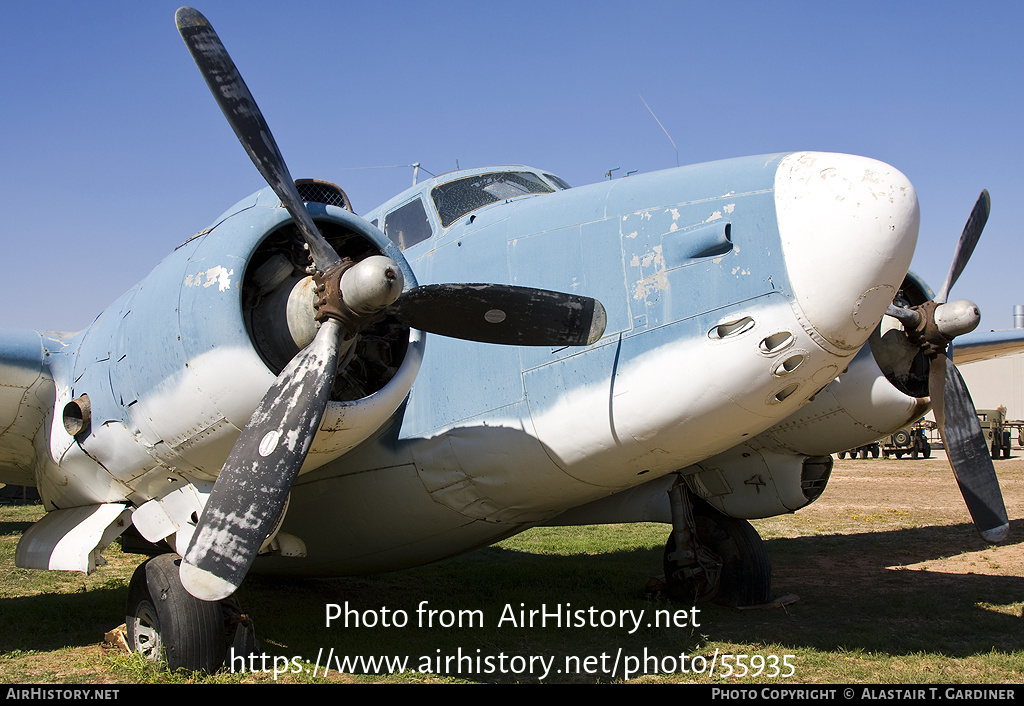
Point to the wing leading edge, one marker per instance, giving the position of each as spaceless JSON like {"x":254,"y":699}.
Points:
{"x":977,"y":346}
{"x":26,"y":397}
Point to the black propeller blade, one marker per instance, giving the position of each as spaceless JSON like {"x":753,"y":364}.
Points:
{"x":965,"y":446}
{"x":965,"y":246}
{"x":933,"y":325}
{"x":492,"y":313}
{"x":252,"y":488}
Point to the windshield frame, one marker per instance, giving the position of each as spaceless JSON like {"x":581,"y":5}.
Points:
{"x":456,"y":198}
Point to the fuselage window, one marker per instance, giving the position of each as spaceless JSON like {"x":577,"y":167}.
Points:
{"x":407,"y":225}
{"x":457,"y":198}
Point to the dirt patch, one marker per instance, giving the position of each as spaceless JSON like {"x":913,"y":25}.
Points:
{"x":881,"y":518}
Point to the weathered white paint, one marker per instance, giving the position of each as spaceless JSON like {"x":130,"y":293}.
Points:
{"x":71,"y":539}
{"x":220,"y":276}
{"x":834,"y":212}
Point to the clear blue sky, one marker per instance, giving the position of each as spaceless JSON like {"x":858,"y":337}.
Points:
{"x":114,"y":152}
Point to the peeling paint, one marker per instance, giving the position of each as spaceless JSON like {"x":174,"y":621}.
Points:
{"x":218,"y":275}
{"x":654,"y":257}
{"x":657,"y":281}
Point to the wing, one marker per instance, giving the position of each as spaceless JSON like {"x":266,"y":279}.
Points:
{"x":26,"y":397}
{"x":989,"y":344}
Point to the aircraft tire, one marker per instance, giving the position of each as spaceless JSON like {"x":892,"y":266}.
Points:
{"x":167,"y":624}
{"x":746,"y":577}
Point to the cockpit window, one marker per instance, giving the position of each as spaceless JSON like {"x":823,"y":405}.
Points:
{"x":407,"y":225}
{"x":457,"y":198}
{"x":558,"y":181}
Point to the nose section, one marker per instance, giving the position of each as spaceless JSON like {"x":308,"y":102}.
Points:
{"x":848,"y":227}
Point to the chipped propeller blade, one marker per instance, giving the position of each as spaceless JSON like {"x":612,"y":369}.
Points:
{"x":251,"y":489}
{"x":245,"y":118}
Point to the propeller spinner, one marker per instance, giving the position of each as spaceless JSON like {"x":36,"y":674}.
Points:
{"x":933,"y":326}
{"x":252,"y":488}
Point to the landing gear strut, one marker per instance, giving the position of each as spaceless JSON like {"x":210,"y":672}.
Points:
{"x":710,"y":557}
{"x":166,"y":624}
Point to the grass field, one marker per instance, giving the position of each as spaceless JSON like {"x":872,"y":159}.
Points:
{"x":894,"y":586}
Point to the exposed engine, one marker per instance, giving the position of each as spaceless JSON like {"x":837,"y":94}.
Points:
{"x":278,"y":305}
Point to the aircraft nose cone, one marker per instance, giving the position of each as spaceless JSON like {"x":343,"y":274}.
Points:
{"x":848,"y":227}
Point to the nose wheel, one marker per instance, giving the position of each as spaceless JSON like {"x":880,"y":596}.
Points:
{"x":713,"y":558}
{"x":169,"y":626}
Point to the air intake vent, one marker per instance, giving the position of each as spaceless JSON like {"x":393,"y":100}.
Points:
{"x":814,"y":476}
{"x":318,"y":191}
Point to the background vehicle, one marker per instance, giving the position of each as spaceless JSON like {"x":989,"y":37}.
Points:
{"x":862,"y":451}
{"x":911,"y":441}
{"x":993,"y":426}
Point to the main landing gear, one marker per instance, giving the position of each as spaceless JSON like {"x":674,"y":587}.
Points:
{"x":711,"y":557}
{"x":166,"y":624}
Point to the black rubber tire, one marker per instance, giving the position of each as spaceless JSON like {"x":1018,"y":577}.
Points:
{"x":746,"y":568}
{"x":926,"y":450}
{"x":168,"y":624}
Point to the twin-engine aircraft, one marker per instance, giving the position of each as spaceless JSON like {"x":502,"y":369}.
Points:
{"x":298,"y":390}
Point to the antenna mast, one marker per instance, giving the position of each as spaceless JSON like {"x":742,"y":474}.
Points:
{"x":662,"y":128}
